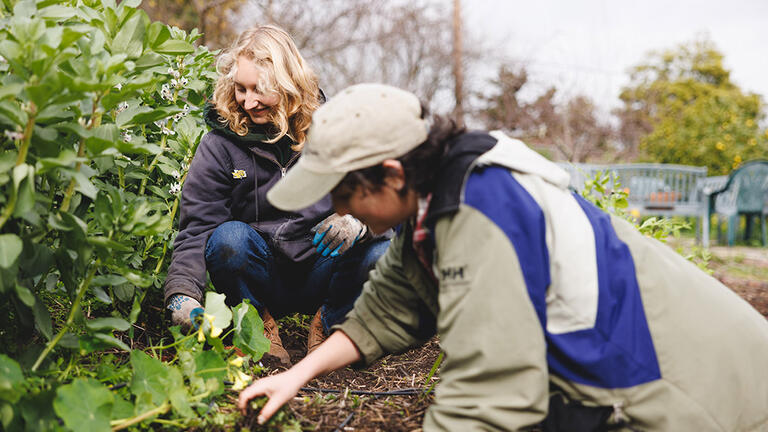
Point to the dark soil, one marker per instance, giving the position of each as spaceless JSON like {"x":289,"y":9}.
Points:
{"x":743,"y":270}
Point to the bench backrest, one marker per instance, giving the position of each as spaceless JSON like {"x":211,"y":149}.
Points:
{"x":662,"y":189}
{"x":746,"y":190}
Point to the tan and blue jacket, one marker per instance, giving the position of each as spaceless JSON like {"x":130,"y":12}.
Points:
{"x":532,"y":287}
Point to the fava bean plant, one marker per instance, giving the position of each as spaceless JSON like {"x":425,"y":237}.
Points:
{"x":100,"y":116}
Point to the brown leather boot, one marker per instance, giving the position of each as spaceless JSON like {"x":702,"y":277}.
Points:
{"x":316,"y":334}
{"x":276,"y":344}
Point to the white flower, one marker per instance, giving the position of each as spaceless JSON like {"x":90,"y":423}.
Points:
{"x":165,"y":92}
{"x":161,"y":123}
{"x":183,"y":81}
{"x":3,"y":60}
{"x":14,"y":135}
{"x":184,"y":167}
{"x":174,"y":73}
{"x":122,"y":107}
{"x":176,"y":174}
{"x":119,"y":86}
{"x":175,"y":189}
{"x":126,"y":136}
{"x":167,"y":131}
{"x":174,"y":83}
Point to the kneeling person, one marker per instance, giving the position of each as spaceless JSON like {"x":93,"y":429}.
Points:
{"x":544,"y":304}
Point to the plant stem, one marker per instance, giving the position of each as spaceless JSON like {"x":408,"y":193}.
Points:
{"x":173,"y":215}
{"x":163,"y":144}
{"x":164,"y":347}
{"x":124,"y":423}
{"x":95,"y":121}
{"x":20,"y":159}
{"x":71,"y":318}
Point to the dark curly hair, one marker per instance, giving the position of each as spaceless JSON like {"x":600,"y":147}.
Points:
{"x":420,"y":165}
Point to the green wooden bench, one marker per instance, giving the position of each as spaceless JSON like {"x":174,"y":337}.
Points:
{"x":742,"y":193}
{"x":652,"y":189}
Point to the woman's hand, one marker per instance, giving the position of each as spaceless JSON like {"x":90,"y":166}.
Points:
{"x":335,"y":234}
{"x":336,"y":352}
{"x":278,"y":388}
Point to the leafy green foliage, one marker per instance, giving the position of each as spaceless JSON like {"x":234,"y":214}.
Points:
{"x":84,"y":405}
{"x":604,"y":191}
{"x":691,"y":112}
{"x":99,"y":121}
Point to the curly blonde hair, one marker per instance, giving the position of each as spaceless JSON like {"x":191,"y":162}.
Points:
{"x":283,"y":71}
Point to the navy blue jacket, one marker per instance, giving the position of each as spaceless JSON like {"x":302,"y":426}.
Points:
{"x":228,"y":180}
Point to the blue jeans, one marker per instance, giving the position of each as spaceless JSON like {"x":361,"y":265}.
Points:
{"x":241,"y":265}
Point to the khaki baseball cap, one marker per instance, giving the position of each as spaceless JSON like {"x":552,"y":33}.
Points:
{"x":362,"y":126}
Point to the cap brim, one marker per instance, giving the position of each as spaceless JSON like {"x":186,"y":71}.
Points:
{"x":302,"y":187}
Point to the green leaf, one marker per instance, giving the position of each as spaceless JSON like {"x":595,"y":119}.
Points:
{"x":11,"y":378}
{"x":209,"y":364}
{"x":37,"y":411}
{"x":84,"y":405}
{"x":112,"y":341}
{"x":111,"y":280}
{"x":67,"y":158}
{"x":175,"y":47}
{"x":109,"y":244}
{"x":24,"y":182}
{"x":10,"y":249}
{"x":129,"y":39}
{"x":108,"y":323}
{"x":11,"y":90}
{"x":135,"y":277}
{"x":25,"y":295}
{"x":84,"y":185}
{"x":42,"y":319}
{"x":102,"y":138}
{"x":13,"y":111}
{"x":214,"y":306}
{"x":249,"y":331}
{"x":124,"y":292}
{"x":177,"y":392}
{"x":148,"y":373}
{"x":125,"y":118}
{"x":57,"y":12}
{"x":157,"y":33}
{"x":101,"y":295}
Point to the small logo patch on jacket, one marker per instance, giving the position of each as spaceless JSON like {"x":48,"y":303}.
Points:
{"x":455,"y":273}
{"x":238,"y":174}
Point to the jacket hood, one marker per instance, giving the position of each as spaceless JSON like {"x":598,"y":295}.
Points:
{"x":514,"y":154}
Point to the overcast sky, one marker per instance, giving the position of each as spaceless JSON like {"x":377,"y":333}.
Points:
{"x":587,"y":46}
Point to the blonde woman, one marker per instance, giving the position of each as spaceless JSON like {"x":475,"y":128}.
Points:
{"x":283,"y":262}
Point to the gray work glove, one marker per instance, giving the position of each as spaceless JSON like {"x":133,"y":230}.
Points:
{"x":335,"y":234}
{"x":184,"y":310}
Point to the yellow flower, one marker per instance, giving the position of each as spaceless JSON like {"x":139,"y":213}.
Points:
{"x":750,"y":123}
{"x":215,"y":331}
{"x":737,"y":158}
{"x":241,"y":380}
{"x":200,"y":335}
{"x":720,"y":146}
{"x":728,"y":137}
{"x":752,"y":142}
{"x":237,"y":361}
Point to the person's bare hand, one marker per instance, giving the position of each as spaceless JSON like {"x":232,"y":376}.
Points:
{"x":278,"y":388}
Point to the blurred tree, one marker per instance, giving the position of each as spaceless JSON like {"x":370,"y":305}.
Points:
{"x":211,"y":18}
{"x":682,"y":107}
{"x":571,"y":130}
{"x":405,"y":44}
